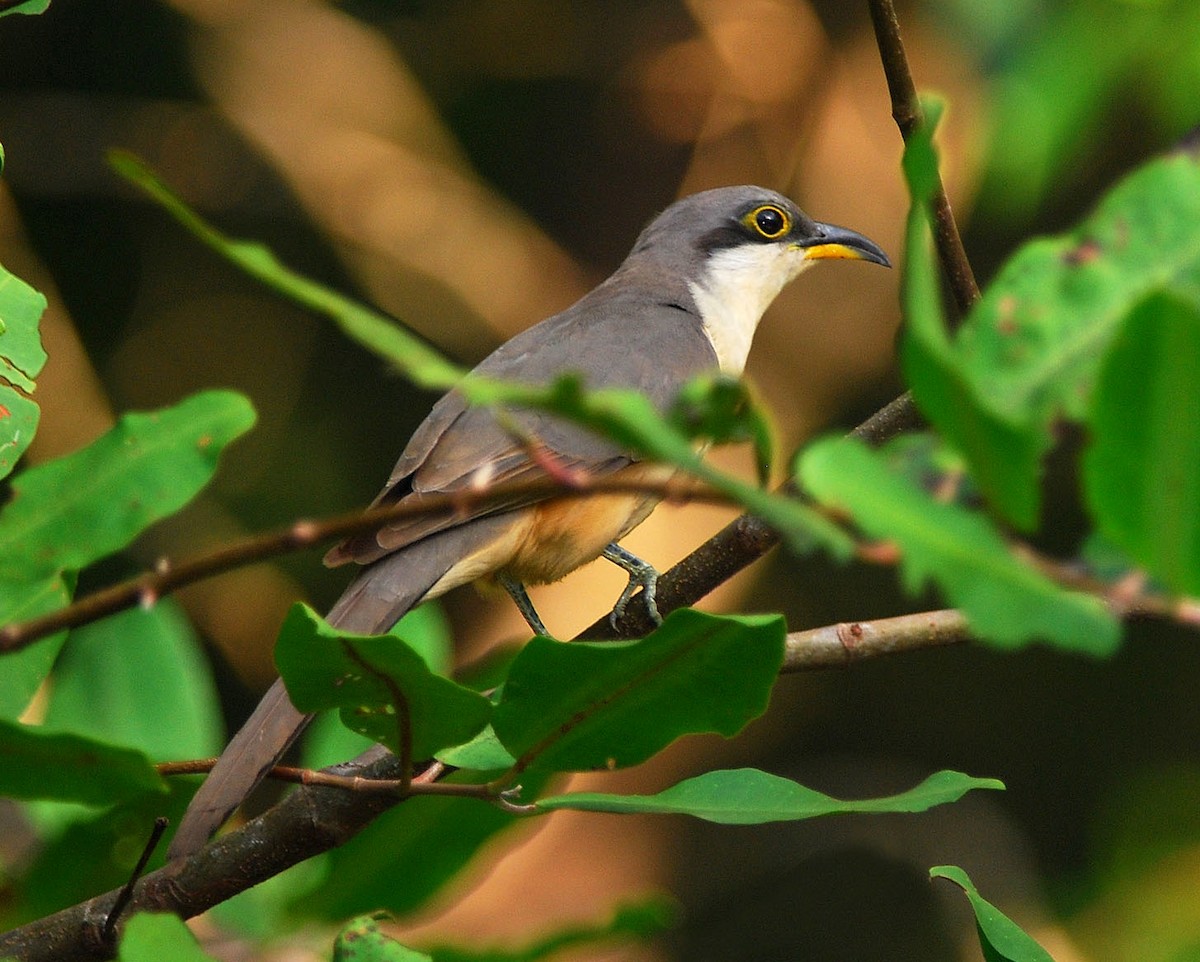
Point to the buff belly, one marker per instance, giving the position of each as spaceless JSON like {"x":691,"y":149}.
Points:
{"x":547,"y":541}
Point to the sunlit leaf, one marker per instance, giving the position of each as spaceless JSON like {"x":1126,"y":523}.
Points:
{"x":100,"y":687}
{"x":28,"y":7}
{"x":747,"y":796}
{"x":21,"y":360}
{"x":1028,"y":353}
{"x":22,"y":671}
{"x":1005,"y":600}
{"x":361,"y":940}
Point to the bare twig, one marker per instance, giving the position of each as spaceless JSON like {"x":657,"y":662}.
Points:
{"x":424,"y":783}
{"x":841,"y":645}
{"x":126,"y":893}
{"x":909,"y":117}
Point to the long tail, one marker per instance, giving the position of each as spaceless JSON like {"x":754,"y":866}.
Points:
{"x":379,"y":597}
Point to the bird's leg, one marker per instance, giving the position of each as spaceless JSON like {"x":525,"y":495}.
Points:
{"x":520,"y":598}
{"x":642,"y":575}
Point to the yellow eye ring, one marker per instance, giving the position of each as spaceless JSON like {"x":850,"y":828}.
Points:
{"x":768,"y":221}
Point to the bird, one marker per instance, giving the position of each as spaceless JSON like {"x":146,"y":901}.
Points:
{"x":685,"y":302}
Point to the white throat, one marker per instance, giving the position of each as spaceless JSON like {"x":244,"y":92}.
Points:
{"x":739,"y":285}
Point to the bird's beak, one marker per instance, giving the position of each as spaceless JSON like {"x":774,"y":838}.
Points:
{"x":834,"y":241}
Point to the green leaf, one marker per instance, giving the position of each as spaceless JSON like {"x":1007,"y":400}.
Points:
{"x":1028,"y":353}
{"x":100,"y":687}
{"x":155,"y":936}
{"x":426,"y":631}
{"x":22,"y":671}
{"x":362,"y":941}
{"x":1033,"y":345}
{"x":1001,"y":939}
{"x":1005,"y":600}
{"x":74,"y":510}
{"x":639,"y":920}
{"x":375,"y":868}
{"x":369,"y":328}
{"x":28,"y":7}
{"x":369,"y":678}
{"x":85,"y":851}
{"x":482,"y":753}
{"x":724,"y":409}
{"x":746,"y":796}
{"x":1000,"y":452}
{"x":608,"y":705}
{"x":21,"y":360}
{"x":70,"y":768}
{"x":1142,"y":469}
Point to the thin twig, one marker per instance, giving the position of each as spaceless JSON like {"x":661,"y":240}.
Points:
{"x":422,"y":784}
{"x":909,"y":117}
{"x":169,"y":576}
{"x":126,"y":894}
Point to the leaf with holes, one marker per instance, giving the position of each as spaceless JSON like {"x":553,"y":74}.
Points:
{"x":21,"y":360}
{"x":376,"y":682}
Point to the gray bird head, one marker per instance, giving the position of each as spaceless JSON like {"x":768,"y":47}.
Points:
{"x":726,"y":253}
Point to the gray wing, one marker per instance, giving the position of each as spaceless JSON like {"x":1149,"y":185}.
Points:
{"x":612,"y":341}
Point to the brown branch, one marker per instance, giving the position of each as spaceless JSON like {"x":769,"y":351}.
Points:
{"x":170,"y":576}
{"x":909,"y":117}
{"x":842,"y":645}
{"x":739,"y":544}
{"x":420,"y":784}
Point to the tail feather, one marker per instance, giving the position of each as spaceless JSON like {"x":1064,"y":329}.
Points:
{"x":379,"y":597}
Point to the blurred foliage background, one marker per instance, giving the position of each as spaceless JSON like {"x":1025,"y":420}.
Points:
{"x":472,"y":166}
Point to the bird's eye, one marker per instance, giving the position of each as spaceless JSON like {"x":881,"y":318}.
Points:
{"x":769,"y":221}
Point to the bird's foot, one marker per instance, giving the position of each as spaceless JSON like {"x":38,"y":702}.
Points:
{"x":642,"y":575}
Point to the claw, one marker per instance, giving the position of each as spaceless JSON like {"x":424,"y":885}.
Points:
{"x":641,"y":575}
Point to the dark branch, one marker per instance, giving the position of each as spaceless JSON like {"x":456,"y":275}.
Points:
{"x":909,"y":117}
